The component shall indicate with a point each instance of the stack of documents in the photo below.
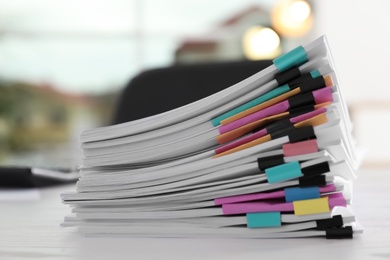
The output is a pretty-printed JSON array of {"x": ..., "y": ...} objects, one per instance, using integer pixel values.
[{"x": 269, "y": 157}]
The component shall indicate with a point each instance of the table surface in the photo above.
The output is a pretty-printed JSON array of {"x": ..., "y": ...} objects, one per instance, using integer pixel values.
[{"x": 31, "y": 230}]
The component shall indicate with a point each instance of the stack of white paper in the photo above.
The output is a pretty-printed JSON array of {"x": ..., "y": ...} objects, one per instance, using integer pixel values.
[{"x": 269, "y": 157}]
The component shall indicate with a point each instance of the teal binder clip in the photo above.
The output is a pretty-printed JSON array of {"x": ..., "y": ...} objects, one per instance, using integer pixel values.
[
  {"x": 263, "y": 219},
  {"x": 315, "y": 74},
  {"x": 283, "y": 172},
  {"x": 292, "y": 58}
]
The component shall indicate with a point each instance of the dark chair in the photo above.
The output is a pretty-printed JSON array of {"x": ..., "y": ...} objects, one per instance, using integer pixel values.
[{"x": 159, "y": 90}]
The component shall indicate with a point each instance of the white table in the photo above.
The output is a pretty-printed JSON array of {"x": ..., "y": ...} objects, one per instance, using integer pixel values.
[{"x": 31, "y": 230}]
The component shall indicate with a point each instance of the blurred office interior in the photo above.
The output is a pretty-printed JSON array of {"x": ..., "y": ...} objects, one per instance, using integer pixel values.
[{"x": 63, "y": 63}]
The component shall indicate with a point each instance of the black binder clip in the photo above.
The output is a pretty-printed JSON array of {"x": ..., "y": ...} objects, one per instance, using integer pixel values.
[
  {"x": 312, "y": 84},
  {"x": 316, "y": 169},
  {"x": 334, "y": 222},
  {"x": 302, "y": 134},
  {"x": 269, "y": 161},
  {"x": 312, "y": 181},
  {"x": 288, "y": 75},
  {"x": 339, "y": 233}
]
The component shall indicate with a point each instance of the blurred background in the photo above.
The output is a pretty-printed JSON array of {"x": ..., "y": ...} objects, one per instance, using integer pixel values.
[{"x": 64, "y": 63}]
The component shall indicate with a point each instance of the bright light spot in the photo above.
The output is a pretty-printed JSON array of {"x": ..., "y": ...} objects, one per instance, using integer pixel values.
[
  {"x": 265, "y": 41},
  {"x": 261, "y": 43},
  {"x": 299, "y": 10},
  {"x": 292, "y": 18}
]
